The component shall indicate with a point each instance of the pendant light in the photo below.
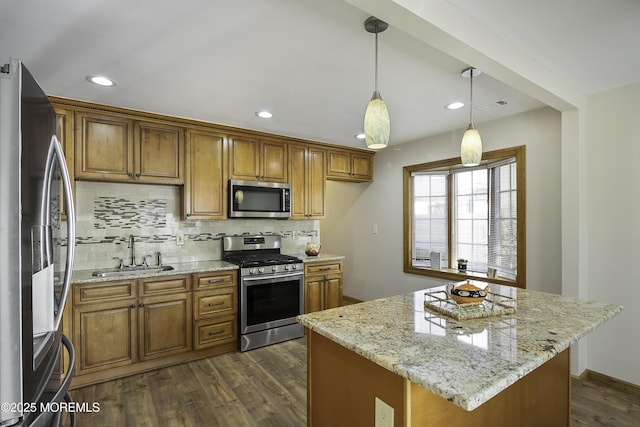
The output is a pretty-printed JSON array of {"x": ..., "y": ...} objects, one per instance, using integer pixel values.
[
  {"x": 377, "y": 126},
  {"x": 471, "y": 146}
]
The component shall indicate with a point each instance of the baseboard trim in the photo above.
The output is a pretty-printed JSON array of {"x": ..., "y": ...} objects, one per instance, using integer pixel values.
[{"x": 615, "y": 383}]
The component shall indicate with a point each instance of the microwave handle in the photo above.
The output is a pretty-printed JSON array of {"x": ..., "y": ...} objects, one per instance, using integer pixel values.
[{"x": 285, "y": 198}]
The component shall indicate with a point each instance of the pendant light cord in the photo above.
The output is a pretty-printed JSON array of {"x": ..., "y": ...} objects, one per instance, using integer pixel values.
[
  {"x": 471, "y": 97},
  {"x": 375, "y": 85}
]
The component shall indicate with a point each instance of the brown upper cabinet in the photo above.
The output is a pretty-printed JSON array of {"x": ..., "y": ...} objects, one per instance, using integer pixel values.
[
  {"x": 307, "y": 180},
  {"x": 115, "y": 148},
  {"x": 257, "y": 159},
  {"x": 343, "y": 165},
  {"x": 205, "y": 188}
]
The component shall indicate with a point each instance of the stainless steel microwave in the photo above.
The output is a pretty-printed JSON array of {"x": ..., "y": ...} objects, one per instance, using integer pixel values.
[{"x": 259, "y": 199}]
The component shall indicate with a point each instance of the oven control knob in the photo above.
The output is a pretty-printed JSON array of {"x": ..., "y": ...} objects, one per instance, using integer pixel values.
[
  {"x": 261, "y": 270},
  {"x": 253, "y": 271},
  {"x": 274, "y": 268},
  {"x": 286, "y": 267},
  {"x": 295, "y": 267}
]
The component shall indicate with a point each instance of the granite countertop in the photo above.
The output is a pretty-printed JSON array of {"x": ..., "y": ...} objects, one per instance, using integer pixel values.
[
  {"x": 321, "y": 257},
  {"x": 86, "y": 276},
  {"x": 464, "y": 361}
]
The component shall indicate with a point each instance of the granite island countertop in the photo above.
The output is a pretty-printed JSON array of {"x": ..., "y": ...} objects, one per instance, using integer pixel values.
[{"x": 463, "y": 361}]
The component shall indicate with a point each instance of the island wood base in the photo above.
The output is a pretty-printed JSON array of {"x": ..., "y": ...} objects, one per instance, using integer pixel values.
[{"x": 342, "y": 387}]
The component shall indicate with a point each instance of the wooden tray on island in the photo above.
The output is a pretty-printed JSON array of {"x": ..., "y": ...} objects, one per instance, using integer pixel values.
[{"x": 495, "y": 304}]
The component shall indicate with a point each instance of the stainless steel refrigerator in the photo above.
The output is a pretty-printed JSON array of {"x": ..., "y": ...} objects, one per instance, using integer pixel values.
[{"x": 36, "y": 254}]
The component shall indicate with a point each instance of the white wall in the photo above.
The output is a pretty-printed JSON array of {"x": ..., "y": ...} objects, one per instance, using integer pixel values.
[
  {"x": 373, "y": 268},
  {"x": 613, "y": 229}
]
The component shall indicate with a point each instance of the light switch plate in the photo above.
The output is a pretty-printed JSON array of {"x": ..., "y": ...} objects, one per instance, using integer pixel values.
[{"x": 384, "y": 414}]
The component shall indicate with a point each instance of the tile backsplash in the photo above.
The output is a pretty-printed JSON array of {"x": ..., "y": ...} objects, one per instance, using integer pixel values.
[{"x": 107, "y": 214}]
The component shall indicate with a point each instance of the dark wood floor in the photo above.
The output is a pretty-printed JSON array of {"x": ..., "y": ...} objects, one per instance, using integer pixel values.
[{"x": 267, "y": 387}]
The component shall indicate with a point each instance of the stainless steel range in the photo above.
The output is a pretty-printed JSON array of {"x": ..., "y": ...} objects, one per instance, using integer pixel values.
[{"x": 271, "y": 289}]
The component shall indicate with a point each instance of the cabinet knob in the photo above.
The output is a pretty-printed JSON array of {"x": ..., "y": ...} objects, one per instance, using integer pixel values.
[
  {"x": 130, "y": 175},
  {"x": 133, "y": 306},
  {"x": 141, "y": 305},
  {"x": 138, "y": 175}
]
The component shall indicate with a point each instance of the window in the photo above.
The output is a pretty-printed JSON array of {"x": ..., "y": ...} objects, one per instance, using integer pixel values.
[{"x": 477, "y": 214}]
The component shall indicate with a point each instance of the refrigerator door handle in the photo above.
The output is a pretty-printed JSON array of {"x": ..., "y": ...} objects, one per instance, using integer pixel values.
[
  {"x": 56, "y": 154},
  {"x": 44, "y": 419}
]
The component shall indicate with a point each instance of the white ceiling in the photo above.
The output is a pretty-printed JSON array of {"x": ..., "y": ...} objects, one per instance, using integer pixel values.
[{"x": 310, "y": 62}]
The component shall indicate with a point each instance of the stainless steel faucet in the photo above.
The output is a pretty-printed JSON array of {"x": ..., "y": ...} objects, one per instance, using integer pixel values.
[{"x": 132, "y": 246}]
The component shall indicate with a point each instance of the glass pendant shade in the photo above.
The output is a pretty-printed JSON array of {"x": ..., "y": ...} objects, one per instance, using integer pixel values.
[
  {"x": 377, "y": 126},
  {"x": 471, "y": 147}
]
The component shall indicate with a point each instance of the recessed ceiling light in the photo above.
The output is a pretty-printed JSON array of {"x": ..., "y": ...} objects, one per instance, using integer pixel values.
[
  {"x": 454, "y": 105},
  {"x": 101, "y": 81},
  {"x": 264, "y": 114},
  {"x": 361, "y": 136}
]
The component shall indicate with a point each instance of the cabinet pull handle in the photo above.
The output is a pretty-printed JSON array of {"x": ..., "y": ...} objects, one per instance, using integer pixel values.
[
  {"x": 324, "y": 268},
  {"x": 216, "y": 280},
  {"x": 216, "y": 333},
  {"x": 212, "y": 304}
]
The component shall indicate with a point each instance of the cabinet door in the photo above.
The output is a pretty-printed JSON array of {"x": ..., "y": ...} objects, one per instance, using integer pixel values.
[
  {"x": 159, "y": 153},
  {"x": 104, "y": 147},
  {"x": 307, "y": 180},
  {"x": 164, "y": 325},
  {"x": 104, "y": 335},
  {"x": 338, "y": 164},
  {"x": 273, "y": 161},
  {"x": 361, "y": 167},
  {"x": 298, "y": 180},
  {"x": 205, "y": 186},
  {"x": 316, "y": 183},
  {"x": 333, "y": 291},
  {"x": 243, "y": 158},
  {"x": 313, "y": 294}
]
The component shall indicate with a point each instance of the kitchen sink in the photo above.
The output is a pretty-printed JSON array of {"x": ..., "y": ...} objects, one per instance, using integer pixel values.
[{"x": 108, "y": 272}]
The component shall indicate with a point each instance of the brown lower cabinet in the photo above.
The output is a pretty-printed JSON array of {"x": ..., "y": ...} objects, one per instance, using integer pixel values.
[
  {"x": 322, "y": 285},
  {"x": 119, "y": 328}
]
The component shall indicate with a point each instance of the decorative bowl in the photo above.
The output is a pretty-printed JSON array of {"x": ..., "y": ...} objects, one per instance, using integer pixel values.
[
  {"x": 312, "y": 249},
  {"x": 467, "y": 293}
]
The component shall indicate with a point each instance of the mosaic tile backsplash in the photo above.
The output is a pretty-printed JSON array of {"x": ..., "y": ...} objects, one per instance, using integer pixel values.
[{"x": 107, "y": 214}]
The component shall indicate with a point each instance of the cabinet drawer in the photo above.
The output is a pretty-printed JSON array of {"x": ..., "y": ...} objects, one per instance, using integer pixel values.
[
  {"x": 221, "y": 330},
  {"x": 324, "y": 268},
  {"x": 166, "y": 285},
  {"x": 215, "y": 302},
  {"x": 104, "y": 291},
  {"x": 211, "y": 280}
]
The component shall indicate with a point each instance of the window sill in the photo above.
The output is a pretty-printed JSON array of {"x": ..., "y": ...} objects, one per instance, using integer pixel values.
[{"x": 455, "y": 275}]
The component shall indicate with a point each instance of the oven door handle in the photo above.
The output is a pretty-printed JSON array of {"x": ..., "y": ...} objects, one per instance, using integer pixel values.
[{"x": 263, "y": 279}]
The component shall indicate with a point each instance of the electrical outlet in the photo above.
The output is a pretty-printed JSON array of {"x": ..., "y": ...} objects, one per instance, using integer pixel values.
[
  {"x": 384, "y": 414},
  {"x": 374, "y": 229},
  {"x": 180, "y": 239}
]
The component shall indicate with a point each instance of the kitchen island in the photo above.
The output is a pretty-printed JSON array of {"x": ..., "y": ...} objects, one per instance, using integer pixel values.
[{"x": 431, "y": 369}]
